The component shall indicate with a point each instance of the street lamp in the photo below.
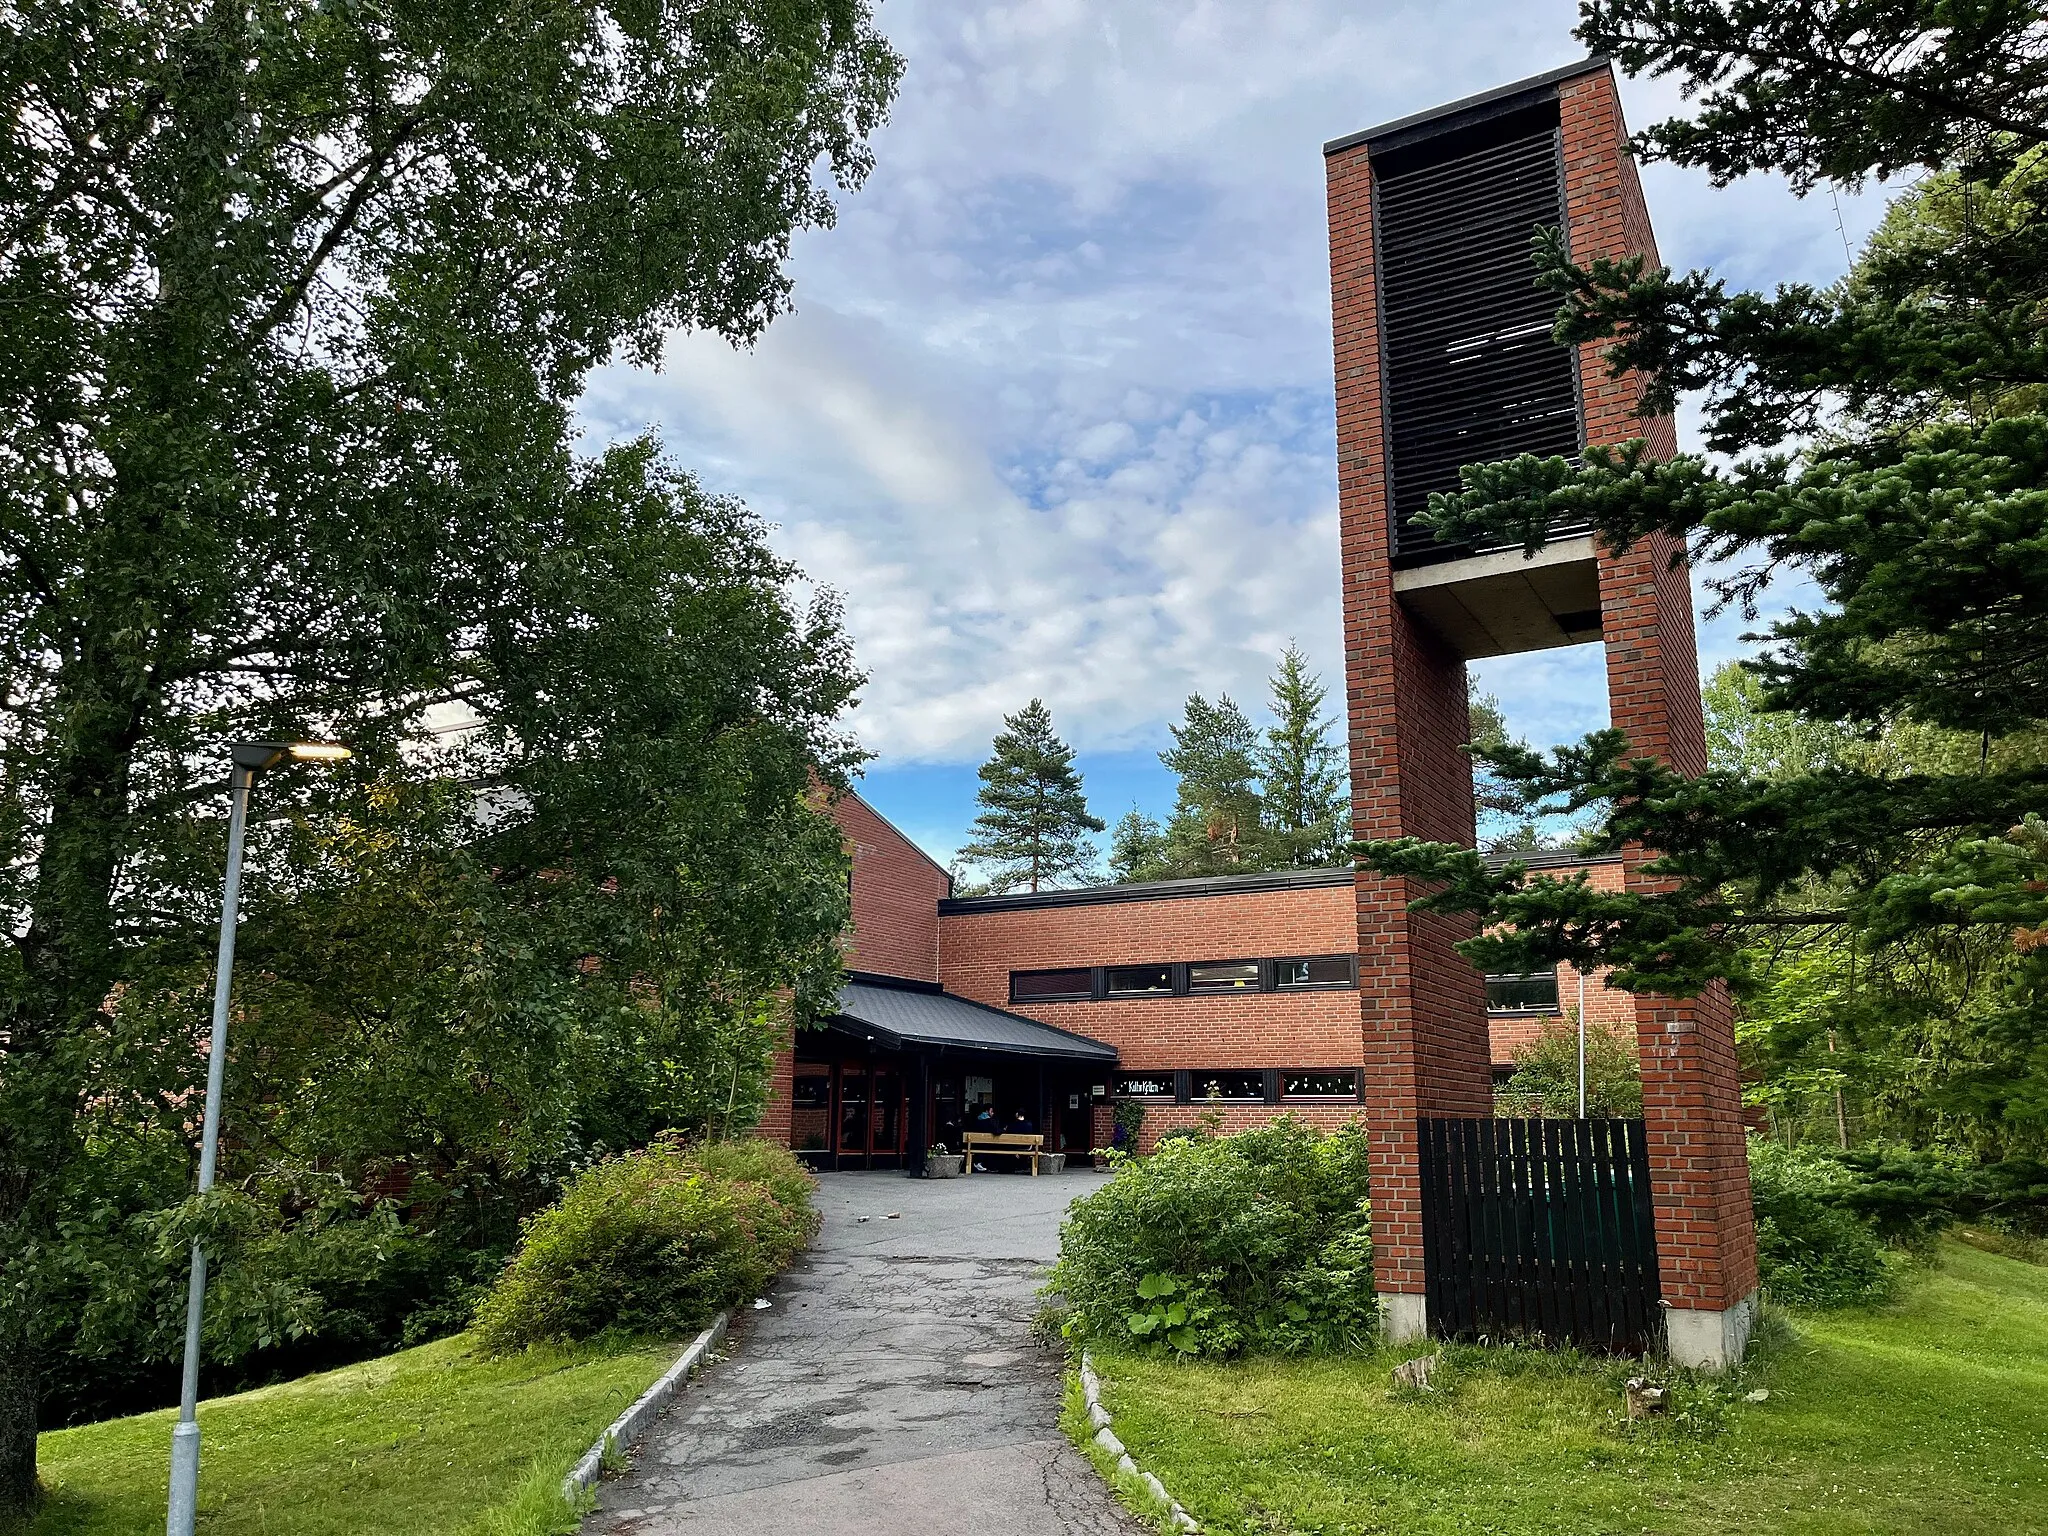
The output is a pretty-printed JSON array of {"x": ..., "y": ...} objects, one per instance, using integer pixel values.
[{"x": 250, "y": 758}]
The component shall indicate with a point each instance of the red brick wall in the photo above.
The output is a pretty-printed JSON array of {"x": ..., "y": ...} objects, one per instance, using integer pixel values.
[
  {"x": 776, "y": 1119},
  {"x": 978, "y": 950},
  {"x": 896, "y": 891},
  {"x": 1423, "y": 1007},
  {"x": 1692, "y": 1088},
  {"x": 1605, "y": 1008}
]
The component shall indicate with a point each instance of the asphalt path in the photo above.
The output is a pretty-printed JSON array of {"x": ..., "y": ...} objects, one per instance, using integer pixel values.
[{"x": 891, "y": 1388}]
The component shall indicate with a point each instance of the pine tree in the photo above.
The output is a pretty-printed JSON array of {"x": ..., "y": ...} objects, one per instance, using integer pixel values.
[
  {"x": 1918, "y": 506},
  {"x": 1137, "y": 848},
  {"x": 1034, "y": 825},
  {"x": 1218, "y": 821},
  {"x": 1307, "y": 806}
]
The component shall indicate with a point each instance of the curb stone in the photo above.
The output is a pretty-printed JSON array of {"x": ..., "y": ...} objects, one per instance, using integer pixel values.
[
  {"x": 627, "y": 1427},
  {"x": 1105, "y": 1437}
]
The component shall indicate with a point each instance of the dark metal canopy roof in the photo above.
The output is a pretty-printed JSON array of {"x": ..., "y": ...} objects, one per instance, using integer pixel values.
[{"x": 915, "y": 1014}]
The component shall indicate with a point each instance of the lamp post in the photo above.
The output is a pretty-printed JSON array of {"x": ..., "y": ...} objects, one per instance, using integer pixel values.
[{"x": 249, "y": 759}]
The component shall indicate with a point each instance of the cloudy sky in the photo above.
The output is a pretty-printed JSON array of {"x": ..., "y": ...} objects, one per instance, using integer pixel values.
[{"x": 1054, "y": 414}]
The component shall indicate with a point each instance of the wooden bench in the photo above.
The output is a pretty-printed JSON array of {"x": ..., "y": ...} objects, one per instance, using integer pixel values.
[{"x": 981, "y": 1144}]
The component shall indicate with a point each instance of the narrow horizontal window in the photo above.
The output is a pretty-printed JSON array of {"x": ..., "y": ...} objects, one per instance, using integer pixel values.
[
  {"x": 1144, "y": 1085},
  {"x": 1318, "y": 971},
  {"x": 1224, "y": 976},
  {"x": 1535, "y": 993},
  {"x": 1050, "y": 986},
  {"x": 1230, "y": 1087},
  {"x": 1324, "y": 1083},
  {"x": 1140, "y": 980}
]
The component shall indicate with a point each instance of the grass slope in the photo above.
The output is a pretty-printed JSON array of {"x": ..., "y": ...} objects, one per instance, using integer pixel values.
[
  {"x": 1928, "y": 1415},
  {"x": 430, "y": 1440}
]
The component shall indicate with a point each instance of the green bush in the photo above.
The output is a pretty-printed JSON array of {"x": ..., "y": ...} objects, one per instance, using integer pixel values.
[
  {"x": 1812, "y": 1250},
  {"x": 652, "y": 1242},
  {"x": 1210, "y": 1246}
]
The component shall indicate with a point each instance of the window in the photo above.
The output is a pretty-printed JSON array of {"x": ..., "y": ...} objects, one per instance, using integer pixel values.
[
  {"x": 1522, "y": 994},
  {"x": 811, "y": 1092},
  {"x": 1321, "y": 971},
  {"x": 1144, "y": 1085},
  {"x": 1224, "y": 976},
  {"x": 1050, "y": 986},
  {"x": 1324, "y": 1083},
  {"x": 1230, "y": 1087},
  {"x": 1141, "y": 981}
]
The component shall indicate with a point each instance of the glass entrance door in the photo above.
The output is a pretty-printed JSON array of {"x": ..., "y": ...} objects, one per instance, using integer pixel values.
[
  {"x": 854, "y": 1091},
  {"x": 888, "y": 1113}
]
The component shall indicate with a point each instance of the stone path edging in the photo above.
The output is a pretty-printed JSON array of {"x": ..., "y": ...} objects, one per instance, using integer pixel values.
[
  {"x": 1105, "y": 1437},
  {"x": 626, "y": 1428}
]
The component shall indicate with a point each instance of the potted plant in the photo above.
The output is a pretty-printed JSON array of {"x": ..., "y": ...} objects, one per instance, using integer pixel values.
[{"x": 942, "y": 1164}]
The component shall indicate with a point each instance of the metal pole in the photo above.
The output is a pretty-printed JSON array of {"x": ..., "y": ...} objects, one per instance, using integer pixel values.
[
  {"x": 1582, "y": 1045},
  {"x": 184, "y": 1504}
]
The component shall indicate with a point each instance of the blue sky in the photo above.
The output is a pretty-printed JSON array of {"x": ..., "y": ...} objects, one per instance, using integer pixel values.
[{"x": 1053, "y": 411}]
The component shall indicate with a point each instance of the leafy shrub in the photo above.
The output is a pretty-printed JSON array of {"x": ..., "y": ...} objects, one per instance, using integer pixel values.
[
  {"x": 1213, "y": 1245},
  {"x": 1546, "y": 1078},
  {"x": 652, "y": 1242},
  {"x": 1811, "y": 1250}
]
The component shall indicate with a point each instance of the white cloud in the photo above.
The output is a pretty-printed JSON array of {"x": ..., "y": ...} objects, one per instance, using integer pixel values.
[{"x": 1054, "y": 411}]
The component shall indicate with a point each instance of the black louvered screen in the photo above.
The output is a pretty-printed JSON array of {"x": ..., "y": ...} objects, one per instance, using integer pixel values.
[
  {"x": 1472, "y": 374},
  {"x": 1540, "y": 1229}
]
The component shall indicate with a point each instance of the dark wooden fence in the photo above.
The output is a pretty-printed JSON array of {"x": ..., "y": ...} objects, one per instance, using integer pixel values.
[{"x": 1540, "y": 1228}]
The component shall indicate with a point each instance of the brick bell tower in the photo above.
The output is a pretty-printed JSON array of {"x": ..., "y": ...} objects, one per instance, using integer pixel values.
[{"x": 1443, "y": 358}]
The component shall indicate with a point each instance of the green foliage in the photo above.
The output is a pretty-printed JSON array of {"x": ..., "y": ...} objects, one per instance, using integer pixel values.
[
  {"x": 1217, "y": 826},
  {"x": 1217, "y": 1244},
  {"x": 1137, "y": 848},
  {"x": 1546, "y": 1080},
  {"x": 299, "y": 303},
  {"x": 1034, "y": 826},
  {"x": 1305, "y": 790},
  {"x": 1811, "y": 1250},
  {"x": 651, "y": 1242}
]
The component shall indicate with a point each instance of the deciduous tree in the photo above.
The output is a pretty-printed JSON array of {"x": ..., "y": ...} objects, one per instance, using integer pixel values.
[{"x": 294, "y": 304}]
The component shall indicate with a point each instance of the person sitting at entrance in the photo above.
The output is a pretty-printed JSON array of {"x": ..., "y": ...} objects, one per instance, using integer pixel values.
[{"x": 1020, "y": 1125}]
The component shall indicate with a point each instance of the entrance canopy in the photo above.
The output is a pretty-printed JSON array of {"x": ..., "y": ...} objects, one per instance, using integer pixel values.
[
  {"x": 903, "y": 1065},
  {"x": 904, "y": 1015}
]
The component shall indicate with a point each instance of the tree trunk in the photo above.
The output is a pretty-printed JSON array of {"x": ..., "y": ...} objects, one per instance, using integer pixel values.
[{"x": 20, "y": 1386}]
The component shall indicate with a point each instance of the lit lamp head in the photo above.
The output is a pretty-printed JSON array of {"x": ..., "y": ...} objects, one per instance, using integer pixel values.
[{"x": 258, "y": 755}]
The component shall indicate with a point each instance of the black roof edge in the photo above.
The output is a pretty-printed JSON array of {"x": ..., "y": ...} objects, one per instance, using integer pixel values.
[
  {"x": 1457, "y": 114},
  {"x": 900, "y": 983},
  {"x": 867, "y": 978},
  {"x": 845, "y": 1024},
  {"x": 1228, "y": 885},
  {"x": 1150, "y": 890}
]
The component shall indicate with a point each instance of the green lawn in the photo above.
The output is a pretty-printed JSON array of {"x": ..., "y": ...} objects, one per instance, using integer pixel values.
[
  {"x": 1928, "y": 1415},
  {"x": 430, "y": 1440}
]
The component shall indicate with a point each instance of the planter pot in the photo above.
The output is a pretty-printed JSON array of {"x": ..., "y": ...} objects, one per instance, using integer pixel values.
[
  {"x": 1052, "y": 1162},
  {"x": 936, "y": 1167}
]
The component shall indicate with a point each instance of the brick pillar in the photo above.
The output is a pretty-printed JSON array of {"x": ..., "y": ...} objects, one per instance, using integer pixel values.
[
  {"x": 1692, "y": 1087},
  {"x": 1423, "y": 1006}
]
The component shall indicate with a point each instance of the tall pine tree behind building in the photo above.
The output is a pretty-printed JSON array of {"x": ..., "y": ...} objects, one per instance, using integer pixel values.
[
  {"x": 1218, "y": 821},
  {"x": 1034, "y": 826},
  {"x": 1307, "y": 801}
]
